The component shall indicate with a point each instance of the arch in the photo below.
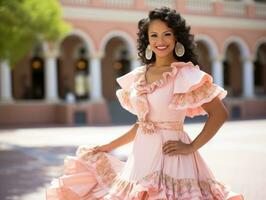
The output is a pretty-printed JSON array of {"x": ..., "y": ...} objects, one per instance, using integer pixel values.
[
  {"x": 243, "y": 70},
  {"x": 257, "y": 45},
  {"x": 110, "y": 47},
  {"x": 68, "y": 76},
  {"x": 260, "y": 67},
  {"x": 244, "y": 49},
  {"x": 213, "y": 50},
  {"x": 90, "y": 46},
  {"x": 122, "y": 35}
]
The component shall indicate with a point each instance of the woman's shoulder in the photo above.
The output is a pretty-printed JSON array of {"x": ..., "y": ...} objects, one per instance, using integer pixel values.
[
  {"x": 189, "y": 76},
  {"x": 127, "y": 79}
]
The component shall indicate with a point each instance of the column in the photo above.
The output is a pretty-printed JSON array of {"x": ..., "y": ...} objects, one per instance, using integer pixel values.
[
  {"x": 217, "y": 70},
  {"x": 5, "y": 82},
  {"x": 51, "y": 83},
  {"x": 248, "y": 77},
  {"x": 95, "y": 81}
]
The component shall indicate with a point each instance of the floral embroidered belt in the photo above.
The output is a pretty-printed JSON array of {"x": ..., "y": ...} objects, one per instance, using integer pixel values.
[{"x": 150, "y": 127}]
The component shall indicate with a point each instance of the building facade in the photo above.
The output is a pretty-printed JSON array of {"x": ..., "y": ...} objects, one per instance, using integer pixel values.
[{"x": 73, "y": 81}]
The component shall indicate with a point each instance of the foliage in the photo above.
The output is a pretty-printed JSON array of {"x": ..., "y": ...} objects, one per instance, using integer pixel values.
[{"x": 25, "y": 23}]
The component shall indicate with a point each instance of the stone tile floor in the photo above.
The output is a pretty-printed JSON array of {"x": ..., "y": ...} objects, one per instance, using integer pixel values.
[{"x": 30, "y": 158}]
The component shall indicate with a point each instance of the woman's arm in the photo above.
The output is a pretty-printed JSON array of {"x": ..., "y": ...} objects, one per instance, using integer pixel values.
[
  {"x": 217, "y": 115},
  {"x": 124, "y": 139}
]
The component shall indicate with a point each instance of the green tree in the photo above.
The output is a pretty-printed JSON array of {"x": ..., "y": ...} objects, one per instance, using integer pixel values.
[{"x": 25, "y": 23}]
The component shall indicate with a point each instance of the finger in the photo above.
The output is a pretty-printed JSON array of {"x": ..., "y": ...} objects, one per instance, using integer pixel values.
[
  {"x": 176, "y": 144},
  {"x": 167, "y": 149},
  {"x": 100, "y": 149},
  {"x": 96, "y": 149},
  {"x": 176, "y": 152},
  {"x": 173, "y": 146},
  {"x": 172, "y": 152},
  {"x": 165, "y": 145},
  {"x": 170, "y": 149},
  {"x": 171, "y": 142},
  {"x": 170, "y": 145}
]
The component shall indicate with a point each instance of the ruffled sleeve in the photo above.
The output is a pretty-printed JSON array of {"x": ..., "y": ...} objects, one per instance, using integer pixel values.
[
  {"x": 126, "y": 82},
  {"x": 192, "y": 88}
]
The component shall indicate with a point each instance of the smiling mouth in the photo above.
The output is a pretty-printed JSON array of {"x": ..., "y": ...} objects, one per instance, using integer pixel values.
[{"x": 161, "y": 48}]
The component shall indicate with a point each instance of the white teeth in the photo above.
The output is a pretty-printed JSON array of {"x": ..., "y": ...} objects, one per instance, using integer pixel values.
[{"x": 161, "y": 48}]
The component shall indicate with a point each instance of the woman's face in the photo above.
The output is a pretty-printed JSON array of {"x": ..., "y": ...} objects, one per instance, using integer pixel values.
[{"x": 161, "y": 38}]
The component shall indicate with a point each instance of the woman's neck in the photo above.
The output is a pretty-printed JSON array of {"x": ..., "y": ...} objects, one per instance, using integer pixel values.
[{"x": 164, "y": 62}]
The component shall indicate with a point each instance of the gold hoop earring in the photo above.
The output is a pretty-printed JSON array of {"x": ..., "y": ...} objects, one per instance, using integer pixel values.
[
  {"x": 179, "y": 49},
  {"x": 148, "y": 52}
]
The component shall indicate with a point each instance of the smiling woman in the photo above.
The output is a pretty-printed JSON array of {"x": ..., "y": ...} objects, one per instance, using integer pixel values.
[
  {"x": 161, "y": 39},
  {"x": 165, "y": 31},
  {"x": 164, "y": 163}
]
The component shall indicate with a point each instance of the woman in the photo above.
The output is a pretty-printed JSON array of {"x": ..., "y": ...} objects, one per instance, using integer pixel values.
[{"x": 164, "y": 163}]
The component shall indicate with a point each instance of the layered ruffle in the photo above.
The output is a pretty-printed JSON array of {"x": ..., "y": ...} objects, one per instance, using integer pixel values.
[
  {"x": 192, "y": 88},
  {"x": 144, "y": 88},
  {"x": 96, "y": 176},
  {"x": 124, "y": 99},
  {"x": 86, "y": 176},
  {"x": 164, "y": 187},
  {"x": 192, "y": 101}
]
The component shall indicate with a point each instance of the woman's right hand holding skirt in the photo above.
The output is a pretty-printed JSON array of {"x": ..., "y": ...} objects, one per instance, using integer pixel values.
[{"x": 85, "y": 151}]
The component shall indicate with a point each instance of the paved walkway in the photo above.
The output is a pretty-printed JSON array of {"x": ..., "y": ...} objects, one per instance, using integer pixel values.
[{"x": 30, "y": 158}]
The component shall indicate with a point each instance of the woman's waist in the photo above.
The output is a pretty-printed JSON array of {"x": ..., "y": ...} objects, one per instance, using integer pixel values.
[{"x": 150, "y": 126}]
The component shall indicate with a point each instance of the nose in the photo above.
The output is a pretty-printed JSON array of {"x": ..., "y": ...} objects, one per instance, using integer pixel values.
[{"x": 160, "y": 40}]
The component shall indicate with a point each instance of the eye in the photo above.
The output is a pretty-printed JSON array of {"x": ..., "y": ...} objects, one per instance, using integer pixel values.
[
  {"x": 168, "y": 34},
  {"x": 153, "y": 35}
]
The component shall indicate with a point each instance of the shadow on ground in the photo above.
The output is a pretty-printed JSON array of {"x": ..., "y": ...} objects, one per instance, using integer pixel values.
[{"x": 25, "y": 170}]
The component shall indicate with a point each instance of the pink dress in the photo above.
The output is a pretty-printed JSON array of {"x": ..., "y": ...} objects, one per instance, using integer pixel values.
[{"x": 161, "y": 108}]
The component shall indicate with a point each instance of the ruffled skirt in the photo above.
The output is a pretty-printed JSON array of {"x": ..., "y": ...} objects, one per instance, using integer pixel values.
[{"x": 147, "y": 174}]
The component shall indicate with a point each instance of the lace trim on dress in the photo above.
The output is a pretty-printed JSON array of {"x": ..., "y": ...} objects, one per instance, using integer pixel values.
[
  {"x": 162, "y": 186},
  {"x": 124, "y": 99},
  {"x": 192, "y": 101},
  {"x": 157, "y": 184},
  {"x": 103, "y": 168},
  {"x": 142, "y": 88},
  {"x": 151, "y": 127}
]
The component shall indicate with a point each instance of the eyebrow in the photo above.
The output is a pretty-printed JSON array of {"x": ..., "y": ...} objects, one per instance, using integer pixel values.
[{"x": 163, "y": 32}]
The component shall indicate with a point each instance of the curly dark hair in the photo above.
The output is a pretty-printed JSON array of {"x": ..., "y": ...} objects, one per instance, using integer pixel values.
[{"x": 180, "y": 30}]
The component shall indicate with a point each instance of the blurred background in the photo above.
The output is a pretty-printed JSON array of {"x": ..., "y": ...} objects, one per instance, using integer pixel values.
[{"x": 59, "y": 60}]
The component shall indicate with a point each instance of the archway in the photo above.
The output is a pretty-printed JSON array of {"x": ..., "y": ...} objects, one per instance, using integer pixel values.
[
  {"x": 115, "y": 63},
  {"x": 73, "y": 68},
  {"x": 260, "y": 70},
  {"x": 28, "y": 76},
  {"x": 233, "y": 70},
  {"x": 204, "y": 57}
]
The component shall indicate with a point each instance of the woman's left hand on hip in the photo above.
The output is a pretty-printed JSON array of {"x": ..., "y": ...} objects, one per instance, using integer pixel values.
[{"x": 175, "y": 147}]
